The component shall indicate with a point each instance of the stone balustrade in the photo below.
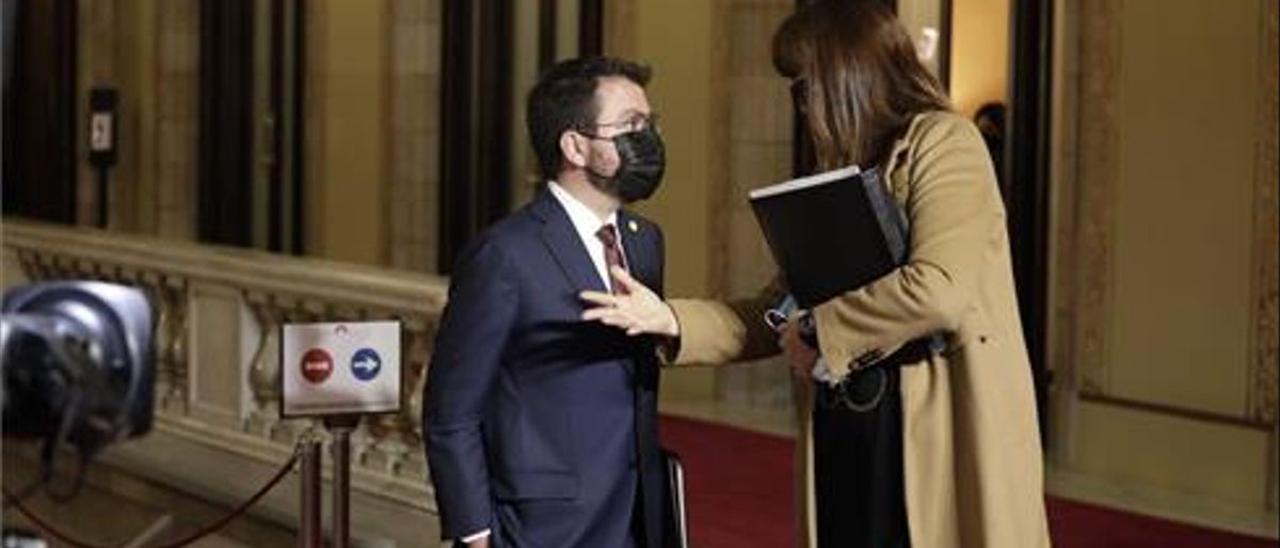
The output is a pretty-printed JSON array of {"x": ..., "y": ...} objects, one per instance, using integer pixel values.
[{"x": 219, "y": 312}]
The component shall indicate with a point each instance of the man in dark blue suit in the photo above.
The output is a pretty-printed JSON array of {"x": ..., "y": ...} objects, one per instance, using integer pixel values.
[{"x": 541, "y": 428}]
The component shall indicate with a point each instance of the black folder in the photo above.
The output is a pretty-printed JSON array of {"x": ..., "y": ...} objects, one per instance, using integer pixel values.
[{"x": 832, "y": 232}]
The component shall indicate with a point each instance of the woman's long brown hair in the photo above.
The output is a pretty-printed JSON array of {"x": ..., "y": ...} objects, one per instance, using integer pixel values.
[{"x": 857, "y": 76}]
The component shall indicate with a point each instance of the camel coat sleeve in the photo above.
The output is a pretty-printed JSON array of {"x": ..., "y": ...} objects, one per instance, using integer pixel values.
[
  {"x": 715, "y": 332},
  {"x": 957, "y": 222}
]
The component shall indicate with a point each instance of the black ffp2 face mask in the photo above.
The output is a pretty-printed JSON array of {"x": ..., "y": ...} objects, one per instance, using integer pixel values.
[{"x": 641, "y": 163}]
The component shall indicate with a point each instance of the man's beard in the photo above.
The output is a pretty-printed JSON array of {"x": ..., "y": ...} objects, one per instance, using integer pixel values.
[{"x": 604, "y": 183}]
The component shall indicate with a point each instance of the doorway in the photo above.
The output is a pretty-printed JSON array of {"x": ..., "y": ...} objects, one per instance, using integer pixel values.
[
  {"x": 251, "y": 124},
  {"x": 39, "y": 174},
  {"x": 493, "y": 53}
]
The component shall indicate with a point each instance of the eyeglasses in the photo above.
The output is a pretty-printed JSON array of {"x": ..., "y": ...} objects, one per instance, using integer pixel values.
[{"x": 633, "y": 123}]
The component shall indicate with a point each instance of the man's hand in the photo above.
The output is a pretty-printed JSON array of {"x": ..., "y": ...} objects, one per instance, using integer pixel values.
[
  {"x": 800, "y": 356},
  {"x": 482, "y": 542},
  {"x": 639, "y": 312}
]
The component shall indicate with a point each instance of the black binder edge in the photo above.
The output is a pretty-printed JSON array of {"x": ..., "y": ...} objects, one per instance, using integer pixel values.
[
  {"x": 894, "y": 225},
  {"x": 892, "y": 220}
]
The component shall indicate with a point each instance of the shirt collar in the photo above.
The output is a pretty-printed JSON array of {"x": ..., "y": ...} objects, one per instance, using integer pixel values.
[{"x": 585, "y": 221}]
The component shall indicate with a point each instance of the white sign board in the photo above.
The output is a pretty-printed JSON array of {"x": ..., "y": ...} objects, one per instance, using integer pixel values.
[
  {"x": 340, "y": 368},
  {"x": 100, "y": 132}
]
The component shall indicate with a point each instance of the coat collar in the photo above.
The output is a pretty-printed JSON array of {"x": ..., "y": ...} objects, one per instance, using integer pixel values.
[{"x": 899, "y": 159}]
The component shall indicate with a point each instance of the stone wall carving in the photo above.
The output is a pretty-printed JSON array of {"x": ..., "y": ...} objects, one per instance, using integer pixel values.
[
  {"x": 1097, "y": 175},
  {"x": 233, "y": 404},
  {"x": 1266, "y": 230}
]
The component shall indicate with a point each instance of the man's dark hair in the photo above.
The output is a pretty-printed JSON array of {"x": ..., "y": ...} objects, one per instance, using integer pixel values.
[{"x": 564, "y": 99}]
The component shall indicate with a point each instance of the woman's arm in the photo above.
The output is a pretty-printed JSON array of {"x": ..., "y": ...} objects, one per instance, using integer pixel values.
[
  {"x": 957, "y": 227},
  {"x": 716, "y": 332},
  {"x": 700, "y": 331}
]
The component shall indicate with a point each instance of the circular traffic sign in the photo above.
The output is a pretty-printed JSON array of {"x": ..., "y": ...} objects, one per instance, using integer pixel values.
[
  {"x": 316, "y": 365},
  {"x": 365, "y": 364}
]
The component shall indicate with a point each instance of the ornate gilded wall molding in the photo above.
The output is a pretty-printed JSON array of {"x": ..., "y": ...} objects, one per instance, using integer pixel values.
[
  {"x": 1066, "y": 75},
  {"x": 720, "y": 148},
  {"x": 1266, "y": 230},
  {"x": 1098, "y": 173}
]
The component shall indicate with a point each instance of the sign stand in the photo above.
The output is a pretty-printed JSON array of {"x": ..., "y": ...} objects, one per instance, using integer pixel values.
[
  {"x": 309, "y": 531},
  {"x": 336, "y": 372},
  {"x": 340, "y": 426}
]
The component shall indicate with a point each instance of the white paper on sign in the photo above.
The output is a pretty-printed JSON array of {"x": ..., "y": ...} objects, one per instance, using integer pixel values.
[
  {"x": 100, "y": 132},
  {"x": 340, "y": 368}
]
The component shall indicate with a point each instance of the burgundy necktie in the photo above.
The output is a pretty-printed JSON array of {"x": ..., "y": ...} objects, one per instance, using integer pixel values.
[{"x": 608, "y": 235}]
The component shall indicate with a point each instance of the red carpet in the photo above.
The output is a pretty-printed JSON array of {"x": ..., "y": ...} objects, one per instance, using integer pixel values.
[{"x": 740, "y": 495}]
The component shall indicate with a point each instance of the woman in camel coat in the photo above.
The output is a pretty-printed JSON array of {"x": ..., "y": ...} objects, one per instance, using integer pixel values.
[{"x": 963, "y": 419}]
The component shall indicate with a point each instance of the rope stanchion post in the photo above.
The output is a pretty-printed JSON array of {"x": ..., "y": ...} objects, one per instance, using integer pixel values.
[
  {"x": 310, "y": 533},
  {"x": 338, "y": 372},
  {"x": 340, "y": 427}
]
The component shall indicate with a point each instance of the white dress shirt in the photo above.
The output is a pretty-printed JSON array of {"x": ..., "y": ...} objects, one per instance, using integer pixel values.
[{"x": 587, "y": 223}]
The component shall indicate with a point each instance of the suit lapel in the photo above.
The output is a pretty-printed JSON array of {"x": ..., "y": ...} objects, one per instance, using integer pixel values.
[
  {"x": 564, "y": 244},
  {"x": 635, "y": 243}
]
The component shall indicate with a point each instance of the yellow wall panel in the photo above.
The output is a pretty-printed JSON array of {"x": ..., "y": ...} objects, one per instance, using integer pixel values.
[
  {"x": 348, "y": 216},
  {"x": 1187, "y": 115},
  {"x": 679, "y": 50},
  {"x": 1221, "y": 461}
]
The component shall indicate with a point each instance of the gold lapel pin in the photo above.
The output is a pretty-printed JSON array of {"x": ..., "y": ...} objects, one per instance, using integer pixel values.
[{"x": 633, "y": 226}]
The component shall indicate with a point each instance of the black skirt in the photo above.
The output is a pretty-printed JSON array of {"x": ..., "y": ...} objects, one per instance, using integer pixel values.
[{"x": 857, "y": 435}]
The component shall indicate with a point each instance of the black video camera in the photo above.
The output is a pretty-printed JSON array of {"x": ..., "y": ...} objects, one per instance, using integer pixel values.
[{"x": 77, "y": 364}]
